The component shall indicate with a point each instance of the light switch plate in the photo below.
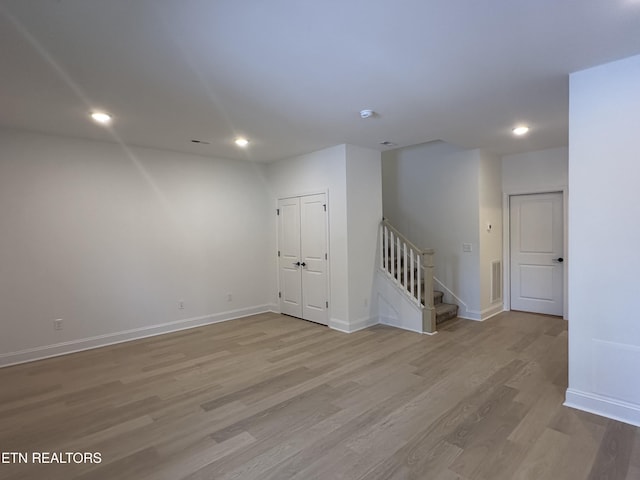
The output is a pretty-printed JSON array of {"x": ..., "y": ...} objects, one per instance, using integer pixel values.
[{"x": 467, "y": 247}]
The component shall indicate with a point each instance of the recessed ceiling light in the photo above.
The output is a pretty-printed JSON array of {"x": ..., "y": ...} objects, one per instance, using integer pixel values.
[
  {"x": 367, "y": 113},
  {"x": 241, "y": 142},
  {"x": 387, "y": 143},
  {"x": 520, "y": 130},
  {"x": 101, "y": 117},
  {"x": 203, "y": 142}
]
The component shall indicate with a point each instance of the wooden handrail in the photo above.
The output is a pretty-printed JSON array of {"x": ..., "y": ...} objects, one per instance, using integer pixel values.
[{"x": 428, "y": 251}]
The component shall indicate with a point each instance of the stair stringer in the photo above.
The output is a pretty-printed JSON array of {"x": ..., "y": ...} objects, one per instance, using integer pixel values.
[
  {"x": 450, "y": 297},
  {"x": 395, "y": 307}
]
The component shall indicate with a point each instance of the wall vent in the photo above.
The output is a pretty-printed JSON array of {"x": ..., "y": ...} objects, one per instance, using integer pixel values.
[{"x": 496, "y": 281}]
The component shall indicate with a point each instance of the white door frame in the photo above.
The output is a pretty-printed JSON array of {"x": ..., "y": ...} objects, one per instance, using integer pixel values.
[
  {"x": 327, "y": 223},
  {"x": 506, "y": 242}
]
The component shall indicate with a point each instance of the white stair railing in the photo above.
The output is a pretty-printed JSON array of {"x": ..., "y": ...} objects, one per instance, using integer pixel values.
[{"x": 411, "y": 268}]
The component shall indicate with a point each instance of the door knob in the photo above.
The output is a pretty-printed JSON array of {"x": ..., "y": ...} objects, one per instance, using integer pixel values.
[
  {"x": 297, "y": 264},
  {"x": 559, "y": 259},
  {"x": 303, "y": 264}
]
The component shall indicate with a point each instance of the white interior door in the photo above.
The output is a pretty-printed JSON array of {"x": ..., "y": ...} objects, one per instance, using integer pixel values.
[
  {"x": 303, "y": 257},
  {"x": 289, "y": 256},
  {"x": 313, "y": 233},
  {"x": 536, "y": 245}
]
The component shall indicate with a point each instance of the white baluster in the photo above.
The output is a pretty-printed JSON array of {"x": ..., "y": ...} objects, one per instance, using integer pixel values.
[
  {"x": 386, "y": 249},
  {"x": 405, "y": 265},
  {"x": 413, "y": 273},
  {"x": 381, "y": 246},
  {"x": 393, "y": 263},
  {"x": 398, "y": 254},
  {"x": 419, "y": 268}
]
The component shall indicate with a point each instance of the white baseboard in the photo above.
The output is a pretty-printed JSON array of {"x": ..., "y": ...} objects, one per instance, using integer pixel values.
[
  {"x": 492, "y": 311},
  {"x": 391, "y": 322},
  {"x": 350, "y": 327},
  {"x": 64, "y": 348},
  {"x": 481, "y": 316},
  {"x": 603, "y": 406},
  {"x": 339, "y": 325},
  {"x": 363, "y": 323}
]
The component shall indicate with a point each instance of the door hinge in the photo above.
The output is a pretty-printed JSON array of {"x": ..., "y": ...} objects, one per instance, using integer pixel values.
[
  {"x": 279, "y": 294},
  {"x": 325, "y": 256},
  {"x": 277, "y": 211},
  {"x": 327, "y": 303},
  {"x": 325, "y": 206},
  {"x": 278, "y": 252}
]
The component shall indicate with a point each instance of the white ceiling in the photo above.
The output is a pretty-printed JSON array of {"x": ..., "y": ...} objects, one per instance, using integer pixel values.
[{"x": 292, "y": 75}]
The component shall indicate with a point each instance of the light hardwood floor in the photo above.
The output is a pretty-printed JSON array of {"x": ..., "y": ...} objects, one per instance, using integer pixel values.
[{"x": 272, "y": 397}]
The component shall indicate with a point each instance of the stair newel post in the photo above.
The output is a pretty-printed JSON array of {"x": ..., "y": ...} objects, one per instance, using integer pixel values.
[{"x": 429, "y": 312}]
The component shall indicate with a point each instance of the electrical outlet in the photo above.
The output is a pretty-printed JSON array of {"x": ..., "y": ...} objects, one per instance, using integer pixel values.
[
  {"x": 467, "y": 247},
  {"x": 57, "y": 324},
  {"x": 229, "y": 297},
  {"x": 181, "y": 305}
]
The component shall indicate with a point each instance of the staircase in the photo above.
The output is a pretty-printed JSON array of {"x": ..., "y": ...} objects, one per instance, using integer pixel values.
[{"x": 410, "y": 269}]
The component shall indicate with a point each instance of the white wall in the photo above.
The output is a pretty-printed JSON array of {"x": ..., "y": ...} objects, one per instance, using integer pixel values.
[
  {"x": 351, "y": 175},
  {"x": 318, "y": 172},
  {"x": 490, "y": 205},
  {"x": 431, "y": 194},
  {"x": 537, "y": 171},
  {"x": 364, "y": 212},
  {"x": 604, "y": 234},
  {"x": 110, "y": 240}
]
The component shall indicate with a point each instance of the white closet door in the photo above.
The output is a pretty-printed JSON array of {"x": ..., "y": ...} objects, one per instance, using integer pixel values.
[
  {"x": 289, "y": 257},
  {"x": 313, "y": 228},
  {"x": 302, "y": 261}
]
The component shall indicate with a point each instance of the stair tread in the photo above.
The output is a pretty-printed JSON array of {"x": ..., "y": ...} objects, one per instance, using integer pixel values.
[
  {"x": 445, "y": 308},
  {"x": 445, "y": 311}
]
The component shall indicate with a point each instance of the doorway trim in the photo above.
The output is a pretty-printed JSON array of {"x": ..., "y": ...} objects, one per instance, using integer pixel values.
[{"x": 506, "y": 241}]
